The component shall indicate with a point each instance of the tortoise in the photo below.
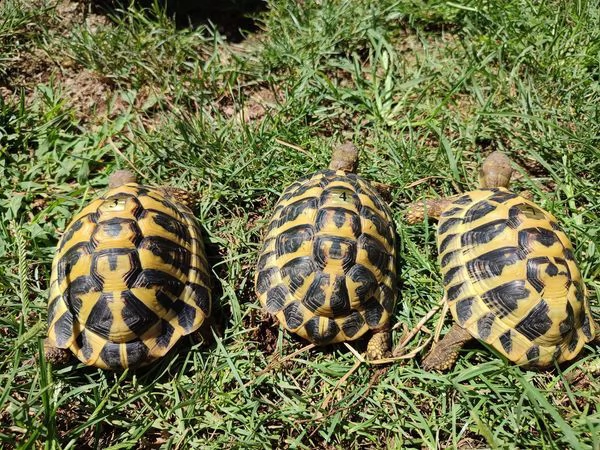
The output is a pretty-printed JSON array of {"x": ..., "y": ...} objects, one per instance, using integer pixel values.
[
  {"x": 327, "y": 269},
  {"x": 129, "y": 278},
  {"x": 509, "y": 273}
]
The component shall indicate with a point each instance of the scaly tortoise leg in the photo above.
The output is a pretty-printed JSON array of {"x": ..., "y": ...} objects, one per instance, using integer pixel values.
[
  {"x": 379, "y": 345},
  {"x": 56, "y": 356},
  {"x": 443, "y": 355},
  {"x": 415, "y": 212}
]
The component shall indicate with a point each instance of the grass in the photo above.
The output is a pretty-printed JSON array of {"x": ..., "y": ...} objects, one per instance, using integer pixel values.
[{"x": 425, "y": 89}]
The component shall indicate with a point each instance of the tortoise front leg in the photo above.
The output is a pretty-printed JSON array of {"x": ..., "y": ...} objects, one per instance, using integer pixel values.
[
  {"x": 415, "y": 212},
  {"x": 443, "y": 355}
]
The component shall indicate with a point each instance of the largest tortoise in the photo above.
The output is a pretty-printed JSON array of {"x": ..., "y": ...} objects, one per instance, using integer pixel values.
[
  {"x": 509, "y": 275},
  {"x": 129, "y": 278},
  {"x": 327, "y": 268}
]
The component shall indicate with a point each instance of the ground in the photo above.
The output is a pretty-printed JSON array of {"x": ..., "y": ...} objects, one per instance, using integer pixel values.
[{"x": 235, "y": 104}]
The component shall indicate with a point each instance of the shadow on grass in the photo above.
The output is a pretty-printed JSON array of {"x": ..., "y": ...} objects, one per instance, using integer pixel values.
[{"x": 232, "y": 18}]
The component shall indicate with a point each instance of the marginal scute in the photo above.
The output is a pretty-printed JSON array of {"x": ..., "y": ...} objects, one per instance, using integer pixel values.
[
  {"x": 449, "y": 257},
  {"x": 201, "y": 297},
  {"x": 464, "y": 309},
  {"x": 448, "y": 239},
  {"x": 352, "y": 324},
  {"x": 63, "y": 329},
  {"x": 293, "y": 315},
  {"x": 332, "y": 275},
  {"x": 573, "y": 343},
  {"x": 85, "y": 345},
  {"x": 373, "y": 312},
  {"x": 579, "y": 292},
  {"x": 450, "y": 274},
  {"x": 163, "y": 340},
  {"x": 129, "y": 279},
  {"x": 506, "y": 341},
  {"x": 484, "y": 325},
  {"x": 567, "y": 326},
  {"x": 463, "y": 200},
  {"x": 452, "y": 211},
  {"x": 388, "y": 298},
  {"x": 186, "y": 316},
  {"x": 313, "y": 329},
  {"x": 533, "y": 353},
  {"x": 111, "y": 355},
  {"x": 453, "y": 292},
  {"x": 137, "y": 352},
  {"x": 276, "y": 298},
  {"x": 449, "y": 224},
  {"x": 586, "y": 327},
  {"x": 502, "y": 196}
]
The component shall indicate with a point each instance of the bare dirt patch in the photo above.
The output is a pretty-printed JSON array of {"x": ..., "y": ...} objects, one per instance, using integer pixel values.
[
  {"x": 88, "y": 93},
  {"x": 252, "y": 106}
]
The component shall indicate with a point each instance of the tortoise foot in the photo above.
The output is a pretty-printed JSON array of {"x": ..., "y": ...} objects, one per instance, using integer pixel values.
[{"x": 379, "y": 345}]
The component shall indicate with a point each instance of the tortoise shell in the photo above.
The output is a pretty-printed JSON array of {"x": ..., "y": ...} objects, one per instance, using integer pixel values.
[
  {"x": 129, "y": 278},
  {"x": 511, "y": 278},
  {"x": 327, "y": 266}
]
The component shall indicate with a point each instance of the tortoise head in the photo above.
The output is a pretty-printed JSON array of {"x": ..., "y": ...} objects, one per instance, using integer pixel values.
[
  {"x": 495, "y": 171},
  {"x": 121, "y": 177},
  {"x": 344, "y": 157}
]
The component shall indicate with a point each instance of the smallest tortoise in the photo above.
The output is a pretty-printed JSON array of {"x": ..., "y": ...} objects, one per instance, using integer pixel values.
[
  {"x": 327, "y": 267},
  {"x": 509, "y": 274},
  {"x": 129, "y": 278}
]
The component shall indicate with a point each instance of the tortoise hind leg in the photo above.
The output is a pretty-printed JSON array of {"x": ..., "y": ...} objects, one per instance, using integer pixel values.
[
  {"x": 379, "y": 345},
  {"x": 443, "y": 355},
  {"x": 56, "y": 356}
]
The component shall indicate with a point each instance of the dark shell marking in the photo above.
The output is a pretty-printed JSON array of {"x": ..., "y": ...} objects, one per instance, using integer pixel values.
[
  {"x": 511, "y": 278},
  {"x": 129, "y": 279},
  {"x": 327, "y": 267}
]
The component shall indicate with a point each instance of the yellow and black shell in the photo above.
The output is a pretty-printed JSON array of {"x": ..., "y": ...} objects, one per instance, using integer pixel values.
[
  {"x": 511, "y": 278},
  {"x": 327, "y": 266},
  {"x": 129, "y": 278}
]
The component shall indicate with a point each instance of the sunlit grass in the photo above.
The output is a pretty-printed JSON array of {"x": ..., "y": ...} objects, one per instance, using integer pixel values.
[{"x": 425, "y": 89}]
